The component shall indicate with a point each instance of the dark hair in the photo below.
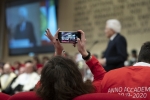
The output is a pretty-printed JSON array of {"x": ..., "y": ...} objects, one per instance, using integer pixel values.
[
  {"x": 61, "y": 80},
  {"x": 28, "y": 61},
  {"x": 144, "y": 55},
  {"x": 36, "y": 58},
  {"x": 45, "y": 57},
  {"x": 134, "y": 53}
]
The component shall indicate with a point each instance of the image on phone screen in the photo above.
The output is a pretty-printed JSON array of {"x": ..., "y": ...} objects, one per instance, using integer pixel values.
[{"x": 68, "y": 37}]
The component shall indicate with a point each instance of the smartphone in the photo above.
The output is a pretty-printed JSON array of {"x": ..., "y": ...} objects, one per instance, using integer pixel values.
[{"x": 68, "y": 37}]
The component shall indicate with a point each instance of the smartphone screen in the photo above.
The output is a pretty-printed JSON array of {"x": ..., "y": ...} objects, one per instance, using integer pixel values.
[{"x": 68, "y": 37}]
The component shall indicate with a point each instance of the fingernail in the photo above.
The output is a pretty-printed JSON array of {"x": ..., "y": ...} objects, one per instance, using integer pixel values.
[
  {"x": 47, "y": 28},
  {"x": 56, "y": 39}
]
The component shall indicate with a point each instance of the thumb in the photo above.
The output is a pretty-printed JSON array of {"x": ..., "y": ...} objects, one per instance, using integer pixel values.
[
  {"x": 58, "y": 42},
  {"x": 78, "y": 41}
]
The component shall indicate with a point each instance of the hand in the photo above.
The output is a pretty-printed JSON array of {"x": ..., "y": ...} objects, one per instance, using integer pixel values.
[
  {"x": 55, "y": 41},
  {"x": 103, "y": 61},
  {"x": 81, "y": 44}
]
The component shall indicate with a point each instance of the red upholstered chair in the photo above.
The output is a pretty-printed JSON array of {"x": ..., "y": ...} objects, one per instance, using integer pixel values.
[
  {"x": 92, "y": 96},
  {"x": 102, "y": 96},
  {"x": 4, "y": 96},
  {"x": 25, "y": 96}
]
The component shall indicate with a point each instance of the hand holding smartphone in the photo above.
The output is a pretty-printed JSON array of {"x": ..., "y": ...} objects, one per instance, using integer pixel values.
[{"x": 68, "y": 36}]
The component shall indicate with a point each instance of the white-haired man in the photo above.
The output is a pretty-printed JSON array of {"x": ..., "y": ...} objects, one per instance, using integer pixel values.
[
  {"x": 116, "y": 51},
  {"x": 24, "y": 29}
]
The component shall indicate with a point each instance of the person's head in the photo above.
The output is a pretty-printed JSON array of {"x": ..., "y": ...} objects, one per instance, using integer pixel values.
[
  {"x": 45, "y": 59},
  {"x": 61, "y": 80},
  {"x": 29, "y": 67},
  {"x": 36, "y": 60},
  {"x": 17, "y": 65},
  {"x": 144, "y": 55},
  {"x": 39, "y": 70},
  {"x": 134, "y": 53},
  {"x": 112, "y": 26},
  {"x": 23, "y": 14},
  {"x": 7, "y": 68},
  {"x": 21, "y": 70},
  {"x": 1, "y": 68}
]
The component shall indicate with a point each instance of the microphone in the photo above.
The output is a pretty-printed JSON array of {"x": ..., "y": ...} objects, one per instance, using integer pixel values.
[{"x": 94, "y": 43}]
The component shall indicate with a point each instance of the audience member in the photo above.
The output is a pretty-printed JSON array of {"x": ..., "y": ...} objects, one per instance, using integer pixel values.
[
  {"x": 16, "y": 67},
  {"x": 1, "y": 68},
  {"x": 44, "y": 60},
  {"x": 36, "y": 62},
  {"x": 7, "y": 78},
  {"x": 83, "y": 68},
  {"x": 21, "y": 70},
  {"x": 130, "y": 81},
  {"x": 134, "y": 57},
  {"x": 62, "y": 72},
  {"x": 27, "y": 80},
  {"x": 65, "y": 80},
  {"x": 116, "y": 53}
]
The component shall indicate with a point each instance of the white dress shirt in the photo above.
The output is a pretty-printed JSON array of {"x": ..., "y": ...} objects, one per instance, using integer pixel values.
[{"x": 142, "y": 64}]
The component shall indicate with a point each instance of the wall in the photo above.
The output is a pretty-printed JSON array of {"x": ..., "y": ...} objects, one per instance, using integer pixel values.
[
  {"x": 91, "y": 15},
  {"x": 1, "y": 29}
]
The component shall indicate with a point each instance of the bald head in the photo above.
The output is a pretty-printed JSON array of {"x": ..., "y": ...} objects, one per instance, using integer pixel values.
[
  {"x": 7, "y": 68},
  {"x": 29, "y": 67}
]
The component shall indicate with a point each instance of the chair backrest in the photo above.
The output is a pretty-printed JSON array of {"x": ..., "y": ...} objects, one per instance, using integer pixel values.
[
  {"x": 4, "y": 96},
  {"x": 102, "y": 96},
  {"x": 92, "y": 96},
  {"x": 25, "y": 96}
]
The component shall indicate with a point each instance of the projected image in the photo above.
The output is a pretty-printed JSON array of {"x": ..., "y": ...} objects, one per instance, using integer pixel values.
[
  {"x": 26, "y": 24},
  {"x": 68, "y": 37},
  {"x": 23, "y": 35}
]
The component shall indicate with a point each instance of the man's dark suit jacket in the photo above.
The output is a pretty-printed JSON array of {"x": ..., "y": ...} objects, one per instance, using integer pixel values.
[
  {"x": 27, "y": 33},
  {"x": 116, "y": 53}
]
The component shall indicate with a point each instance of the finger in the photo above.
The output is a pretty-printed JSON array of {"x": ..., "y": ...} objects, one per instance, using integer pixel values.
[
  {"x": 58, "y": 43},
  {"x": 49, "y": 35},
  {"x": 82, "y": 35},
  {"x": 78, "y": 41},
  {"x": 57, "y": 40},
  {"x": 56, "y": 35}
]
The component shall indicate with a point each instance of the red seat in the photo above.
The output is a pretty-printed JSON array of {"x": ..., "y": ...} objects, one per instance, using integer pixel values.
[
  {"x": 102, "y": 96},
  {"x": 25, "y": 96},
  {"x": 4, "y": 96},
  {"x": 92, "y": 96}
]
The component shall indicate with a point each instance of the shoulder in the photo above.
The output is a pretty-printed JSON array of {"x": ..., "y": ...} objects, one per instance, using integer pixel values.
[
  {"x": 22, "y": 75},
  {"x": 35, "y": 74},
  {"x": 126, "y": 71},
  {"x": 119, "y": 36},
  {"x": 13, "y": 75}
]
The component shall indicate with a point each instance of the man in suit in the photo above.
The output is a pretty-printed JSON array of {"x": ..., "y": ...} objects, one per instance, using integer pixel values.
[
  {"x": 24, "y": 29},
  {"x": 27, "y": 80},
  {"x": 116, "y": 51},
  {"x": 7, "y": 78}
]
